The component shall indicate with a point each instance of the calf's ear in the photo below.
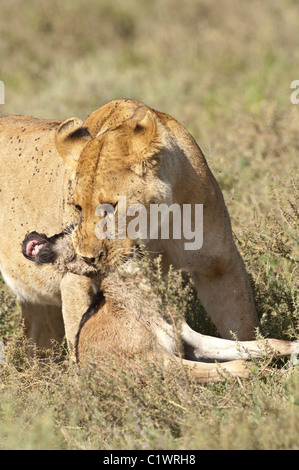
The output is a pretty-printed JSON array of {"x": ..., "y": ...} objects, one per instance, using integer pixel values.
[{"x": 70, "y": 139}]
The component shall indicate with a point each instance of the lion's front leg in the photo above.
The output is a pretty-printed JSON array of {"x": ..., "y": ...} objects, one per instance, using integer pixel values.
[
  {"x": 43, "y": 324},
  {"x": 227, "y": 298},
  {"x": 76, "y": 295}
]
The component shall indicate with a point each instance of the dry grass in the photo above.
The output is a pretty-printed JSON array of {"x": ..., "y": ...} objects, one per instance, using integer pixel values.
[{"x": 223, "y": 70}]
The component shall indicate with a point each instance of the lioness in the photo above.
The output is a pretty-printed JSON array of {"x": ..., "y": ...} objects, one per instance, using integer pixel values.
[
  {"x": 127, "y": 320},
  {"x": 55, "y": 174}
]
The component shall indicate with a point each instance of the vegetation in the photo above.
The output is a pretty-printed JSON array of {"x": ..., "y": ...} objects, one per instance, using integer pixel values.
[{"x": 224, "y": 70}]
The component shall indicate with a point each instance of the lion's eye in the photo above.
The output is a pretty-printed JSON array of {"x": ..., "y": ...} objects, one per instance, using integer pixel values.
[
  {"x": 105, "y": 209},
  {"x": 78, "y": 208}
]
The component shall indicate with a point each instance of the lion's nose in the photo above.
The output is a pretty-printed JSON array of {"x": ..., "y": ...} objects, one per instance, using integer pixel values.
[{"x": 94, "y": 260}]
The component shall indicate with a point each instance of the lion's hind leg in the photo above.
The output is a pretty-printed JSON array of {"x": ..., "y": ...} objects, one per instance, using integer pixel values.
[{"x": 43, "y": 325}]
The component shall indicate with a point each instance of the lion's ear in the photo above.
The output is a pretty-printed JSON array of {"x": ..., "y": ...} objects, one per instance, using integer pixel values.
[
  {"x": 145, "y": 145},
  {"x": 70, "y": 139}
]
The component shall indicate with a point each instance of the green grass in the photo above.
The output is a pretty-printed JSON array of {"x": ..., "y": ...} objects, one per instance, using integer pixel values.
[{"x": 224, "y": 71}]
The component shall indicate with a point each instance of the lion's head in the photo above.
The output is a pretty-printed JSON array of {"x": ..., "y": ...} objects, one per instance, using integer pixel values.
[{"x": 116, "y": 153}]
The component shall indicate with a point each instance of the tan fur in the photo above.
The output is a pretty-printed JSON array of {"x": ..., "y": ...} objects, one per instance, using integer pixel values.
[{"x": 123, "y": 148}]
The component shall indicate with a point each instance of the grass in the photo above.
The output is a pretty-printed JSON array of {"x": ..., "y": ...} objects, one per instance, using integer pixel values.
[{"x": 224, "y": 71}]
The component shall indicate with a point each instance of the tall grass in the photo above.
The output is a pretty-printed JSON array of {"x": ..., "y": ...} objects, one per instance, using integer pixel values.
[{"x": 223, "y": 70}]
